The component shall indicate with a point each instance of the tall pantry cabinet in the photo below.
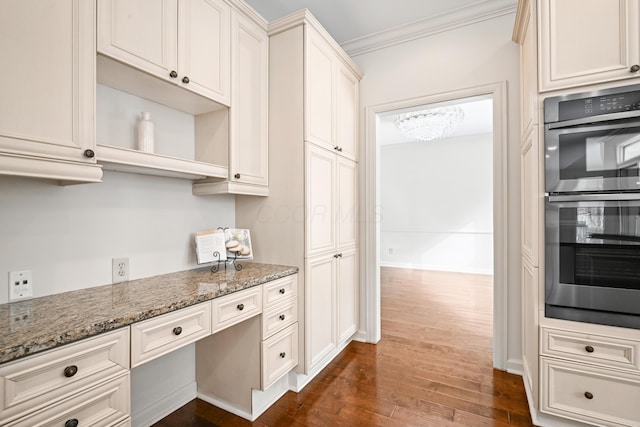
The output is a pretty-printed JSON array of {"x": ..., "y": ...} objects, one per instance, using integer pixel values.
[{"x": 310, "y": 218}]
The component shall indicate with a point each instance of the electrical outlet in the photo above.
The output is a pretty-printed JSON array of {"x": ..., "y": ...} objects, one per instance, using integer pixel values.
[
  {"x": 119, "y": 270},
  {"x": 20, "y": 285}
]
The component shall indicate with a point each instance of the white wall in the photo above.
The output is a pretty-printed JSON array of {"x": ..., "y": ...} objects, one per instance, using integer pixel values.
[
  {"x": 461, "y": 58},
  {"x": 436, "y": 204}
]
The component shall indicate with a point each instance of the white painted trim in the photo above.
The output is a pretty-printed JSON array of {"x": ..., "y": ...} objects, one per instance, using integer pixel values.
[
  {"x": 468, "y": 15},
  {"x": 300, "y": 381},
  {"x": 370, "y": 281},
  {"x": 66, "y": 172},
  {"x": 165, "y": 406},
  {"x": 515, "y": 366},
  {"x": 226, "y": 406},
  {"x": 544, "y": 420}
]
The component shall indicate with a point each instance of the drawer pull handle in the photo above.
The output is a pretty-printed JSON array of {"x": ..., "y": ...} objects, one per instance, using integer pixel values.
[
  {"x": 282, "y": 291},
  {"x": 70, "y": 371},
  {"x": 282, "y": 317},
  {"x": 283, "y": 354},
  {"x": 589, "y": 349},
  {"x": 73, "y": 422},
  {"x": 634, "y": 68},
  {"x": 588, "y": 395},
  {"x": 173, "y": 74},
  {"x": 185, "y": 80},
  {"x": 240, "y": 307},
  {"x": 177, "y": 330}
]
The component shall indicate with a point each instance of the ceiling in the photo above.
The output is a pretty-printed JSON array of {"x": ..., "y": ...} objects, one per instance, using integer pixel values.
[{"x": 347, "y": 20}]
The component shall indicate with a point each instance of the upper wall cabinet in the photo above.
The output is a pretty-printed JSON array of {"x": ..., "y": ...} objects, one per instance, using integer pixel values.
[
  {"x": 47, "y": 104},
  {"x": 332, "y": 99},
  {"x": 585, "y": 42},
  {"x": 182, "y": 41}
]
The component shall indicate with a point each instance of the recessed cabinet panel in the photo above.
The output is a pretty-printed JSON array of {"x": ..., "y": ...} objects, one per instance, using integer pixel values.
[
  {"x": 530, "y": 312},
  {"x": 320, "y": 195},
  {"x": 347, "y": 294},
  {"x": 47, "y": 101},
  {"x": 531, "y": 201},
  {"x": 204, "y": 47},
  {"x": 320, "y": 297},
  {"x": 529, "y": 73},
  {"x": 319, "y": 91},
  {"x": 346, "y": 113},
  {"x": 141, "y": 32},
  {"x": 587, "y": 41},
  {"x": 347, "y": 190}
]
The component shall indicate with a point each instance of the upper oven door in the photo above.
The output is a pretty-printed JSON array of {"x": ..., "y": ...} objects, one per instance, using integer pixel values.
[
  {"x": 592, "y": 252},
  {"x": 595, "y": 157}
]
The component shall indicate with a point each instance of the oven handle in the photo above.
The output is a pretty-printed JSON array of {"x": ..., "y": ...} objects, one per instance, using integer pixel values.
[
  {"x": 596, "y": 119},
  {"x": 593, "y": 197}
]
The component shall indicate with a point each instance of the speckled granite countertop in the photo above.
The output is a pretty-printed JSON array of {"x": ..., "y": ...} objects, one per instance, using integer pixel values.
[{"x": 43, "y": 323}]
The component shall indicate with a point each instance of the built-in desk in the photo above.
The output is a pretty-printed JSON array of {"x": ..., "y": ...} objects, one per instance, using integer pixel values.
[{"x": 66, "y": 358}]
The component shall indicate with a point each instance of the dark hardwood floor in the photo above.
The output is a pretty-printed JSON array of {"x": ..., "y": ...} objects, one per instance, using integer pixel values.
[{"x": 432, "y": 367}]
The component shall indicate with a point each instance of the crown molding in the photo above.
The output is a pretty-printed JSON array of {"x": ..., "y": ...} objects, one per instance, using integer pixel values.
[
  {"x": 246, "y": 9},
  {"x": 523, "y": 16},
  {"x": 477, "y": 12}
]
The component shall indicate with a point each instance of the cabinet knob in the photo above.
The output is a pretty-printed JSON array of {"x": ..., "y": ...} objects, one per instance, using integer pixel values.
[
  {"x": 588, "y": 395},
  {"x": 589, "y": 349},
  {"x": 185, "y": 80},
  {"x": 336, "y": 148},
  {"x": 340, "y": 149},
  {"x": 634, "y": 68},
  {"x": 282, "y": 317},
  {"x": 282, "y": 291},
  {"x": 173, "y": 74},
  {"x": 340, "y": 255},
  {"x": 73, "y": 422},
  {"x": 283, "y": 354},
  {"x": 236, "y": 176},
  {"x": 177, "y": 330},
  {"x": 240, "y": 307},
  {"x": 89, "y": 153},
  {"x": 70, "y": 371}
]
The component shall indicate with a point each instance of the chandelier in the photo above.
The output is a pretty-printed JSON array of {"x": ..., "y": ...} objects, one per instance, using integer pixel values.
[{"x": 429, "y": 125}]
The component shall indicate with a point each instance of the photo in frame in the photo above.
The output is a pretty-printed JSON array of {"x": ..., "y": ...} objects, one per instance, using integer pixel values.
[{"x": 238, "y": 243}]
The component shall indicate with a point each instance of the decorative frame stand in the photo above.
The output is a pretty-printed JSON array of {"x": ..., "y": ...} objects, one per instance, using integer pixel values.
[{"x": 216, "y": 267}]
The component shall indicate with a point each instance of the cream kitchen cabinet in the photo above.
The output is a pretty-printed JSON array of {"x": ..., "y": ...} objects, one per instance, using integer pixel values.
[
  {"x": 310, "y": 215},
  {"x": 332, "y": 99},
  {"x": 87, "y": 381},
  {"x": 247, "y": 118},
  {"x": 47, "y": 105},
  {"x": 182, "y": 41},
  {"x": 585, "y": 42}
]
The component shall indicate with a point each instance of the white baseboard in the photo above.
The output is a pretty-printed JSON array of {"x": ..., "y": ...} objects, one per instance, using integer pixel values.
[
  {"x": 164, "y": 407},
  {"x": 514, "y": 366},
  {"x": 226, "y": 406},
  {"x": 300, "y": 381}
]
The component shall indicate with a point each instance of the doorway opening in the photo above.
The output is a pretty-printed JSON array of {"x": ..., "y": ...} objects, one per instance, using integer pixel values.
[{"x": 480, "y": 242}]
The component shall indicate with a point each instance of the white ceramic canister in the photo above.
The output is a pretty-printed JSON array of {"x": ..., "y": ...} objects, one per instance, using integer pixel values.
[{"x": 145, "y": 133}]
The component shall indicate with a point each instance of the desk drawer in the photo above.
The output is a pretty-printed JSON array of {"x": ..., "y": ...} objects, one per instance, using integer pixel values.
[
  {"x": 279, "y": 355},
  {"x": 29, "y": 384},
  {"x": 102, "y": 406},
  {"x": 280, "y": 290},
  {"x": 160, "y": 335},
  {"x": 591, "y": 348},
  {"x": 234, "y": 308},
  {"x": 590, "y": 394},
  {"x": 279, "y": 317}
]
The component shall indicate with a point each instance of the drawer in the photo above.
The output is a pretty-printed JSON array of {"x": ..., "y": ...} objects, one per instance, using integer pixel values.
[
  {"x": 160, "y": 335},
  {"x": 279, "y": 317},
  {"x": 591, "y": 348},
  {"x": 29, "y": 384},
  {"x": 234, "y": 308},
  {"x": 279, "y": 355},
  {"x": 279, "y": 290},
  {"x": 590, "y": 394},
  {"x": 101, "y": 406}
]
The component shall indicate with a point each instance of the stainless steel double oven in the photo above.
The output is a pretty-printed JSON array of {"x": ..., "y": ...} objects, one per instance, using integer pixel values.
[{"x": 592, "y": 207}]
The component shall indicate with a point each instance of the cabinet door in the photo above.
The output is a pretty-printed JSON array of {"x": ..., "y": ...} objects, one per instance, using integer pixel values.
[
  {"x": 249, "y": 148},
  {"x": 141, "y": 33},
  {"x": 318, "y": 88},
  {"x": 531, "y": 201},
  {"x": 347, "y": 294},
  {"x": 587, "y": 41},
  {"x": 47, "y": 106},
  {"x": 320, "y": 309},
  {"x": 347, "y": 195},
  {"x": 347, "y": 113},
  {"x": 320, "y": 175},
  {"x": 530, "y": 310},
  {"x": 204, "y": 48}
]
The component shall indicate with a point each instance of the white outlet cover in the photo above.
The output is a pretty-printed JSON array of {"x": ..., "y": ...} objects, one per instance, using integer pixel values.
[
  {"x": 20, "y": 285},
  {"x": 119, "y": 270}
]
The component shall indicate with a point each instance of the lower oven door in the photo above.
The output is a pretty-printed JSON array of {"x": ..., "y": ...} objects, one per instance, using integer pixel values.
[{"x": 592, "y": 258}]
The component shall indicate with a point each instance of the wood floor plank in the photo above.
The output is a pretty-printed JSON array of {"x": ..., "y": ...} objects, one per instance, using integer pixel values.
[{"x": 432, "y": 367}]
